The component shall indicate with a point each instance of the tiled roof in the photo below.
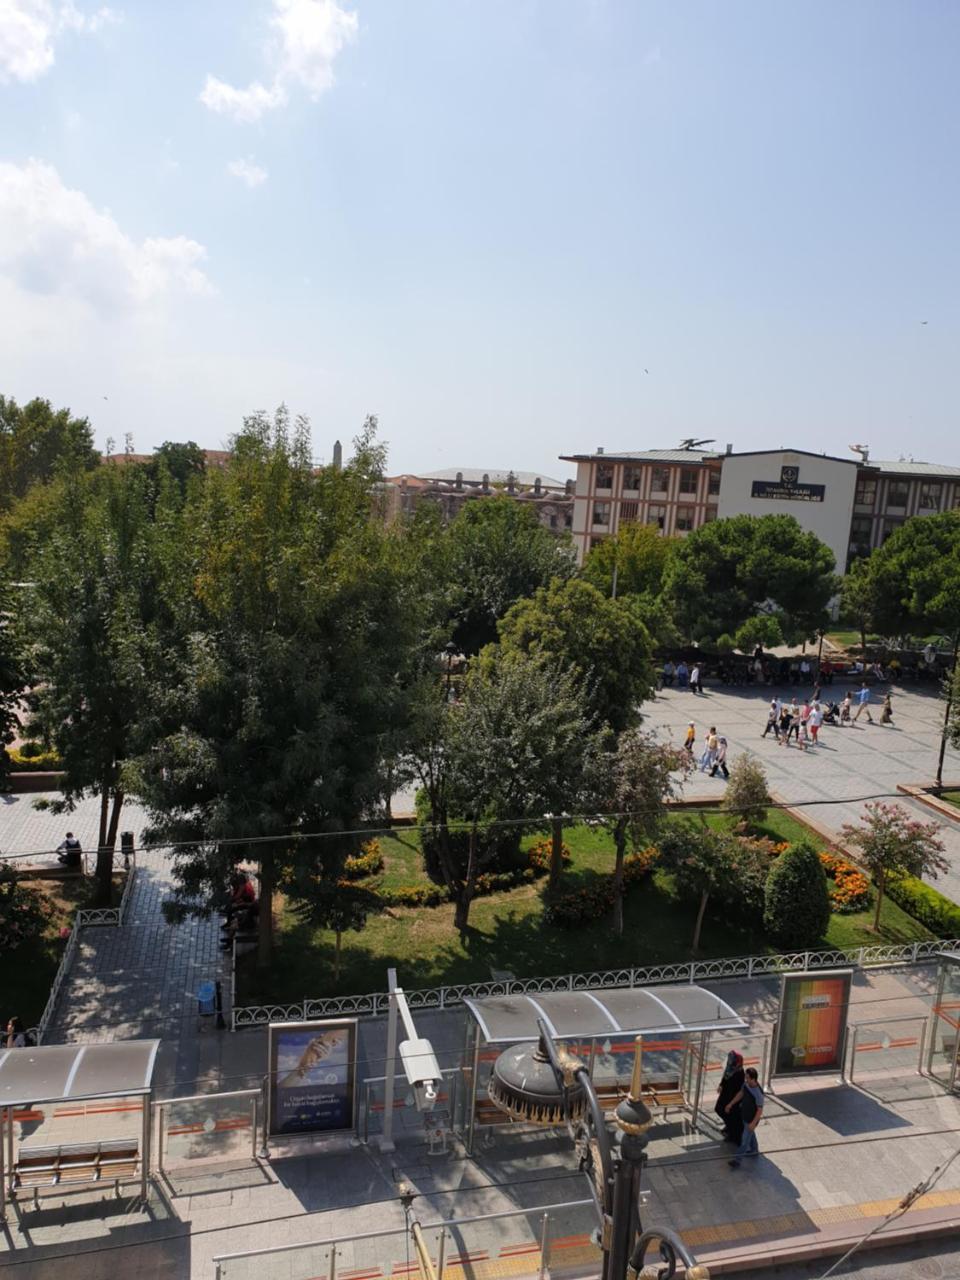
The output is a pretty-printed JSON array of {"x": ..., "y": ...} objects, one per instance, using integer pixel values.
[{"x": 907, "y": 467}]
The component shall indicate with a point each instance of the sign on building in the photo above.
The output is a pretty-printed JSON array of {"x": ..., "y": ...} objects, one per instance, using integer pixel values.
[{"x": 788, "y": 487}]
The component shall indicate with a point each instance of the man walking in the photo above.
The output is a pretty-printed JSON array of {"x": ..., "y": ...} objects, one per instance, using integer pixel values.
[
  {"x": 750, "y": 1100},
  {"x": 863, "y": 704},
  {"x": 773, "y": 719}
]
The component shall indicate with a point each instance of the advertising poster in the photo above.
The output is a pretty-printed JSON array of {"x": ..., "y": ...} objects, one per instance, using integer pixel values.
[
  {"x": 813, "y": 1018},
  {"x": 313, "y": 1069}
]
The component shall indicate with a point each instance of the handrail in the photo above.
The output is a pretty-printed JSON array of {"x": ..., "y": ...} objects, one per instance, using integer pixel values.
[{"x": 207, "y": 1097}]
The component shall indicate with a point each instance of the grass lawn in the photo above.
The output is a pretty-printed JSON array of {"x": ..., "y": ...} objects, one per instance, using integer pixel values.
[
  {"x": 951, "y": 797},
  {"x": 27, "y": 973},
  {"x": 507, "y": 930}
]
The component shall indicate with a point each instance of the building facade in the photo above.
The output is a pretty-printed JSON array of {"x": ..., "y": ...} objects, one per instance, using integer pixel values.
[
  {"x": 851, "y": 504},
  {"x": 552, "y": 500}
]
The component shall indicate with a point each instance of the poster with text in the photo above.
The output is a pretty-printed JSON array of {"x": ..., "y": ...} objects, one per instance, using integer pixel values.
[
  {"x": 313, "y": 1069},
  {"x": 813, "y": 1018}
]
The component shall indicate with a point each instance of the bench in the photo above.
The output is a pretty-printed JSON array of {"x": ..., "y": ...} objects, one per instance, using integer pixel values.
[{"x": 77, "y": 1162}]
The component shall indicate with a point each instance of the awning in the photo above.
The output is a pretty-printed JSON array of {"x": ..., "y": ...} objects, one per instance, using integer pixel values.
[
  {"x": 625, "y": 1011},
  {"x": 57, "y": 1072}
]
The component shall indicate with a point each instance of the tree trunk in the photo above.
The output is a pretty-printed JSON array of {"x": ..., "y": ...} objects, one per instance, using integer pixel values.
[
  {"x": 863, "y": 641},
  {"x": 620, "y": 843},
  {"x": 465, "y": 896},
  {"x": 336, "y": 957},
  {"x": 556, "y": 854},
  {"x": 265, "y": 916},
  {"x": 103, "y": 891},
  {"x": 880, "y": 877},
  {"x": 699, "y": 925}
]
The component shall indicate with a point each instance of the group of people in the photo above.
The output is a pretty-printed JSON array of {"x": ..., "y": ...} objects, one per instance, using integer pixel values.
[
  {"x": 740, "y": 1100},
  {"x": 802, "y": 720},
  {"x": 685, "y": 677},
  {"x": 713, "y": 757}
]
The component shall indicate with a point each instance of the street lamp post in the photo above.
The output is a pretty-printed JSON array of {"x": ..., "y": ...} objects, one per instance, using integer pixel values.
[{"x": 548, "y": 1085}]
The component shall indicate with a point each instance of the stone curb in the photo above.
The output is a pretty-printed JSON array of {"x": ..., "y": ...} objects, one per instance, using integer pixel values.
[{"x": 923, "y": 793}]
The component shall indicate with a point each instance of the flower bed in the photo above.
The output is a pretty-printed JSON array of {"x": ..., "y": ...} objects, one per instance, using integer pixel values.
[
  {"x": 432, "y": 895},
  {"x": 851, "y": 891},
  {"x": 368, "y": 862}
]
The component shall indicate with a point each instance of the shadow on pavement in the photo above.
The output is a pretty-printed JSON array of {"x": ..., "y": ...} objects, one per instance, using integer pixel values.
[{"x": 846, "y": 1110}]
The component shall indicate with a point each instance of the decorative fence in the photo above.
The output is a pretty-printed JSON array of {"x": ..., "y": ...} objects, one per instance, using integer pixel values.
[
  {"x": 693, "y": 971},
  {"x": 84, "y": 919}
]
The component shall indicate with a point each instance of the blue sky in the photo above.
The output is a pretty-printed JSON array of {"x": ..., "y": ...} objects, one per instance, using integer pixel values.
[{"x": 511, "y": 230}]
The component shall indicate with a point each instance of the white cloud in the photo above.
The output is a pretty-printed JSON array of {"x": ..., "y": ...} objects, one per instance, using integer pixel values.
[
  {"x": 53, "y": 241},
  {"x": 247, "y": 171},
  {"x": 29, "y": 30},
  {"x": 308, "y": 35}
]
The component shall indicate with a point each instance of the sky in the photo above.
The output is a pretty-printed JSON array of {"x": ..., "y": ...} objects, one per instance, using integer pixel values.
[{"x": 511, "y": 229}]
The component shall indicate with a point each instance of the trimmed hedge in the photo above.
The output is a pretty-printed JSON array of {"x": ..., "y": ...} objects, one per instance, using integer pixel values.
[
  {"x": 42, "y": 762},
  {"x": 925, "y": 904}
]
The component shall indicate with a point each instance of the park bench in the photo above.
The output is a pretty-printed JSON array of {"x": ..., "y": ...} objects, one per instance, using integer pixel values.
[{"x": 78, "y": 1163}]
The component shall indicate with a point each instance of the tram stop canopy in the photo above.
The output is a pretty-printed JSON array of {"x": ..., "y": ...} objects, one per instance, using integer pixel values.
[
  {"x": 61, "y": 1072},
  {"x": 584, "y": 1014}
]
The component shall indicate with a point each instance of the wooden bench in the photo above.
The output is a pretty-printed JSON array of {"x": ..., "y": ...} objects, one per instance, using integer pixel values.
[{"x": 77, "y": 1162}]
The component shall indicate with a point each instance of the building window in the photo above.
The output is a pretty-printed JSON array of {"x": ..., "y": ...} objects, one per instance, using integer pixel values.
[
  {"x": 861, "y": 529},
  {"x": 632, "y": 477},
  {"x": 568, "y": 520},
  {"x": 930, "y": 496},
  {"x": 601, "y": 513},
  {"x": 628, "y": 511},
  {"x": 657, "y": 515},
  {"x": 604, "y": 477},
  {"x": 553, "y": 522},
  {"x": 713, "y": 485},
  {"x": 688, "y": 480},
  {"x": 661, "y": 480},
  {"x": 710, "y": 514},
  {"x": 898, "y": 493},
  {"x": 684, "y": 519},
  {"x": 866, "y": 494}
]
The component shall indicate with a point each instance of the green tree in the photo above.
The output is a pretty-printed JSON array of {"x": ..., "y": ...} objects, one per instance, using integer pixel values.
[
  {"x": 636, "y": 555},
  {"x": 762, "y": 629},
  {"x": 516, "y": 746},
  {"x": 494, "y": 553},
  {"x": 747, "y": 795},
  {"x": 36, "y": 441},
  {"x": 604, "y": 642},
  {"x": 704, "y": 862},
  {"x": 296, "y": 630},
  {"x": 796, "y": 908},
  {"x": 630, "y": 787},
  {"x": 727, "y": 571},
  {"x": 890, "y": 842},
  {"x": 339, "y": 906},
  {"x": 857, "y": 597},
  {"x": 12, "y": 681}
]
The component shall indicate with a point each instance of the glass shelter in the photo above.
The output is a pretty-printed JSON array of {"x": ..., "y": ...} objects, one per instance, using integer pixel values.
[{"x": 75, "y": 1117}]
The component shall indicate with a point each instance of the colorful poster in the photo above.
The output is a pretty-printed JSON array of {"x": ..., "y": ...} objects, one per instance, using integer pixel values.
[
  {"x": 313, "y": 1071},
  {"x": 812, "y": 1022}
]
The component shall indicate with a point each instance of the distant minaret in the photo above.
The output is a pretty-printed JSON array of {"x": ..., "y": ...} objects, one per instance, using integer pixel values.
[{"x": 337, "y": 455}]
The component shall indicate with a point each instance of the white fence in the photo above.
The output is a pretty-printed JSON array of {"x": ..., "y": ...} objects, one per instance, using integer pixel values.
[{"x": 693, "y": 971}]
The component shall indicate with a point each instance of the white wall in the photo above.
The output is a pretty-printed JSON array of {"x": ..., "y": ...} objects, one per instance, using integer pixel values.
[{"x": 829, "y": 519}]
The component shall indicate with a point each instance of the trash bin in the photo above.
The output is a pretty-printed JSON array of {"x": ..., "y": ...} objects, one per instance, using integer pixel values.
[{"x": 206, "y": 999}]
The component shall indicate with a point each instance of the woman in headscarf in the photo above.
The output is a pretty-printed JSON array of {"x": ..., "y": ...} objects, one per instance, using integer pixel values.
[{"x": 730, "y": 1085}]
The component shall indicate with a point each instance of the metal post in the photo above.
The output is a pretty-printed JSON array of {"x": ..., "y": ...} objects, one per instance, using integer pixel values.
[
  {"x": 145, "y": 1154},
  {"x": 544, "y": 1246},
  {"x": 10, "y": 1145},
  {"x": 161, "y": 1112},
  {"x": 254, "y": 1126},
  {"x": 853, "y": 1051},
  {"x": 332, "y": 1274},
  {"x": 698, "y": 1092},
  {"x": 937, "y": 1005},
  {"x": 3, "y": 1175},
  {"x": 441, "y": 1252},
  {"x": 264, "y": 1149},
  {"x": 366, "y": 1111},
  {"x": 472, "y": 1117},
  {"x": 924, "y": 1029},
  {"x": 386, "y": 1138},
  {"x": 765, "y": 1062}
]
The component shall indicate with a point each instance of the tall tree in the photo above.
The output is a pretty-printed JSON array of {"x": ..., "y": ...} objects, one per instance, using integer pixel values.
[
  {"x": 857, "y": 597},
  {"x": 604, "y": 642},
  {"x": 890, "y": 842},
  {"x": 495, "y": 552},
  {"x": 632, "y": 562},
  {"x": 728, "y": 570},
  {"x": 36, "y": 440},
  {"x": 298, "y": 633}
]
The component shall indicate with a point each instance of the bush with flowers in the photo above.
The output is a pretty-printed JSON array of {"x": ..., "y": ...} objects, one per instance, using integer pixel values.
[
  {"x": 368, "y": 862},
  {"x": 540, "y": 854},
  {"x": 851, "y": 891}
]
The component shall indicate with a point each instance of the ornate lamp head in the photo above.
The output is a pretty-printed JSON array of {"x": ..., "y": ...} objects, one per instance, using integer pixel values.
[{"x": 524, "y": 1085}]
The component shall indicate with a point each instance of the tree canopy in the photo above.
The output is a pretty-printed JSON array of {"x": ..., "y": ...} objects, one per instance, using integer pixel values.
[
  {"x": 36, "y": 440},
  {"x": 915, "y": 577},
  {"x": 726, "y": 571}
]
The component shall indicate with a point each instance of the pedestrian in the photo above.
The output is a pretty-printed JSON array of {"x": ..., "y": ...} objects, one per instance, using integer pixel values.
[
  {"x": 695, "y": 685},
  {"x": 69, "y": 853},
  {"x": 690, "y": 739},
  {"x": 794, "y": 720},
  {"x": 750, "y": 1100},
  {"x": 863, "y": 703},
  {"x": 721, "y": 760},
  {"x": 773, "y": 718},
  {"x": 710, "y": 749},
  {"x": 886, "y": 713},
  {"x": 815, "y": 721},
  {"x": 803, "y": 737},
  {"x": 683, "y": 674},
  {"x": 16, "y": 1037},
  {"x": 669, "y": 671},
  {"x": 731, "y": 1082},
  {"x": 805, "y": 670},
  {"x": 785, "y": 720},
  {"x": 845, "y": 710}
]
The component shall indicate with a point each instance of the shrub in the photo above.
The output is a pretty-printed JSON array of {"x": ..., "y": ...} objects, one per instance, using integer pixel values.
[
  {"x": 503, "y": 854},
  {"x": 540, "y": 854},
  {"x": 570, "y": 910},
  {"x": 368, "y": 862},
  {"x": 39, "y": 760},
  {"x": 796, "y": 904},
  {"x": 23, "y": 911},
  {"x": 926, "y": 904},
  {"x": 747, "y": 793}
]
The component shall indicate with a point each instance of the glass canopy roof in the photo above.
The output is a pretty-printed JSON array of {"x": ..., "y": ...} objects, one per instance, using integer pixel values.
[
  {"x": 627, "y": 1011},
  {"x": 55, "y": 1072}
]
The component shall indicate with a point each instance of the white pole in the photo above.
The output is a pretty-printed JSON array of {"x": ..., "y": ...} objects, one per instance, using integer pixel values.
[{"x": 386, "y": 1138}]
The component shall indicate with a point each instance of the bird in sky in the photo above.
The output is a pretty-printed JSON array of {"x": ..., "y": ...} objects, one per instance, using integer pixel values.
[{"x": 923, "y": 322}]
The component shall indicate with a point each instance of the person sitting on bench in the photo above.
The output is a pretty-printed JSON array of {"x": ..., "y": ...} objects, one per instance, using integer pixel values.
[
  {"x": 241, "y": 910},
  {"x": 69, "y": 853}
]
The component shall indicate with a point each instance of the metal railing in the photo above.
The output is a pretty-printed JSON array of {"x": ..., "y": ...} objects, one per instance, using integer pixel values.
[
  {"x": 886, "y": 1042},
  {"x": 692, "y": 971},
  {"x": 209, "y": 1127},
  {"x": 540, "y": 1249}
]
